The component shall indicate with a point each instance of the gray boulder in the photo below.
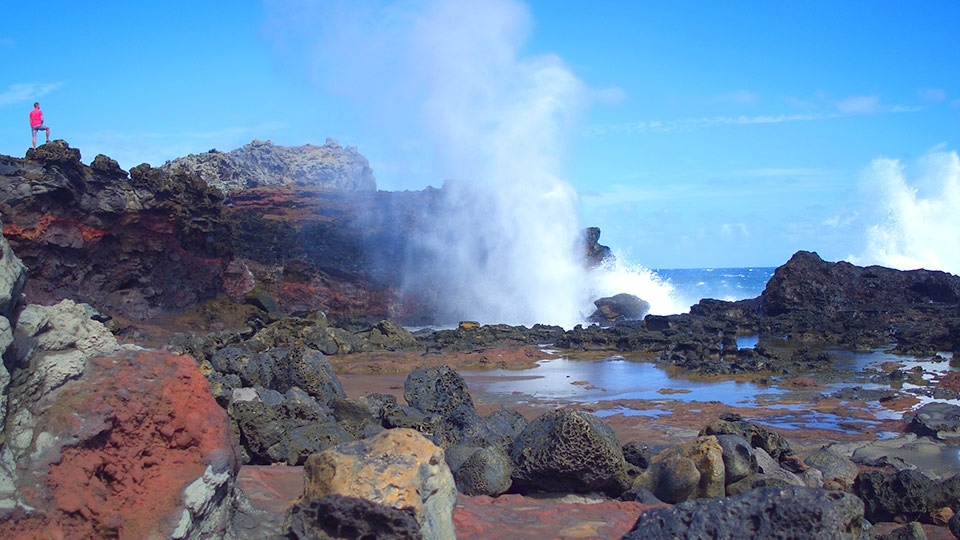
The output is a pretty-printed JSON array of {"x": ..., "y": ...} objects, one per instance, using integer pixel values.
[
  {"x": 479, "y": 471},
  {"x": 767, "y": 512},
  {"x": 283, "y": 428},
  {"x": 280, "y": 369},
  {"x": 738, "y": 459},
  {"x": 938, "y": 420},
  {"x": 839, "y": 472},
  {"x": 330, "y": 167},
  {"x": 906, "y": 495},
  {"x": 441, "y": 390},
  {"x": 569, "y": 451}
]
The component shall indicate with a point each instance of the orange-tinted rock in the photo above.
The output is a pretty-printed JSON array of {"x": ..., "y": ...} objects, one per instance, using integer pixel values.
[
  {"x": 137, "y": 437},
  {"x": 398, "y": 467}
]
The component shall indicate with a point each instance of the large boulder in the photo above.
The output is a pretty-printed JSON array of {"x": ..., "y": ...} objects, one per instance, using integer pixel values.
[
  {"x": 283, "y": 428},
  {"x": 938, "y": 420},
  {"x": 907, "y": 495},
  {"x": 767, "y": 512},
  {"x": 131, "y": 445},
  {"x": 568, "y": 451},
  {"x": 838, "y": 471},
  {"x": 808, "y": 283},
  {"x": 280, "y": 369},
  {"x": 620, "y": 307},
  {"x": 399, "y": 468},
  {"x": 442, "y": 391}
]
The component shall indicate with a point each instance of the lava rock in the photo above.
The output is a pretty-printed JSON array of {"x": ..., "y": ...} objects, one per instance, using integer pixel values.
[
  {"x": 348, "y": 518},
  {"x": 766, "y": 512},
  {"x": 569, "y": 451}
]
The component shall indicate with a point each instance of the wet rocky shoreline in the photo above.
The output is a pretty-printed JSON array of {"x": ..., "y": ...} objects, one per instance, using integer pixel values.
[{"x": 169, "y": 336}]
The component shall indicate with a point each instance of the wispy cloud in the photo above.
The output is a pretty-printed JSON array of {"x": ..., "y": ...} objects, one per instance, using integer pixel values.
[
  {"x": 781, "y": 172},
  {"x": 740, "y": 97},
  {"x": 734, "y": 230},
  {"x": 851, "y": 106},
  {"x": 20, "y": 92},
  {"x": 933, "y": 95},
  {"x": 859, "y": 105},
  {"x": 610, "y": 95},
  {"x": 687, "y": 124}
]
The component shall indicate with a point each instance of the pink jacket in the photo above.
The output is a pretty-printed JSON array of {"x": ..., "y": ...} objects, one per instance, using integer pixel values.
[{"x": 36, "y": 117}]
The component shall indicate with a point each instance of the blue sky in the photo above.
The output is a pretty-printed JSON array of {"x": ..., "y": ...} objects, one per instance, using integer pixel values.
[{"x": 702, "y": 134}]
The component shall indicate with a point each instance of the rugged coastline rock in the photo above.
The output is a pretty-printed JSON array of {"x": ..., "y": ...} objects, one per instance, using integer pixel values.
[
  {"x": 329, "y": 167},
  {"x": 161, "y": 434}
]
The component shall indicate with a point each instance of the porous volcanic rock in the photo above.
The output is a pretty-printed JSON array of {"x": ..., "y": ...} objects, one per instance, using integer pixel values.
[
  {"x": 134, "y": 447},
  {"x": 330, "y": 167},
  {"x": 568, "y": 451}
]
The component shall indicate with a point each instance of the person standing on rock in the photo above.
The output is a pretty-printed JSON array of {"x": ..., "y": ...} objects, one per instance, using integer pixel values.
[{"x": 36, "y": 123}]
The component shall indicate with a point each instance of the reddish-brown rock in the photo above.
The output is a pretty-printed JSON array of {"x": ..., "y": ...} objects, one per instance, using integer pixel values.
[{"x": 131, "y": 435}]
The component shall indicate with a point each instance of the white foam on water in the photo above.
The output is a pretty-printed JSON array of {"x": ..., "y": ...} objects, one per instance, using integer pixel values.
[{"x": 615, "y": 277}]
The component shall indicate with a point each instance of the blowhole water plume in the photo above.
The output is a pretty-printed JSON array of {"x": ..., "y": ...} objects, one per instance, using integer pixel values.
[
  {"x": 913, "y": 220},
  {"x": 502, "y": 247}
]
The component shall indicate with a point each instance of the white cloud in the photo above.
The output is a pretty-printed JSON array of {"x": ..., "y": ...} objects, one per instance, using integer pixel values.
[
  {"x": 935, "y": 95},
  {"x": 855, "y": 105},
  {"x": 859, "y": 105},
  {"x": 21, "y": 92},
  {"x": 735, "y": 230},
  {"x": 610, "y": 95},
  {"x": 740, "y": 97},
  {"x": 841, "y": 221}
]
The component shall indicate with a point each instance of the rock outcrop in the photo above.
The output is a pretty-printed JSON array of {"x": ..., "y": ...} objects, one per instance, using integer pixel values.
[
  {"x": 330, "y": 167},
  {"x": 102, "y": 439}
]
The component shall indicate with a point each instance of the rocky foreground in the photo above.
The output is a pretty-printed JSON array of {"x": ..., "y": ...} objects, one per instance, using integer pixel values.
[{"x": 256, "y": 301}]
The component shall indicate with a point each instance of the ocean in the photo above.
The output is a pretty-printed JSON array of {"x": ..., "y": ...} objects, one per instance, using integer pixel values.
[{"x": 690, "y": 285}]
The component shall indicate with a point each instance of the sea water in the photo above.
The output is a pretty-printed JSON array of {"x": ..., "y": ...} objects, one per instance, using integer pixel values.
[{"x": 690, "y": 285}]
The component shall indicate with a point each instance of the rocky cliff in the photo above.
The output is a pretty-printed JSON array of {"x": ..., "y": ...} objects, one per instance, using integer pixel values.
[
  {"x": 328, "y": 168},
  {"x": 156, "y": 242}
]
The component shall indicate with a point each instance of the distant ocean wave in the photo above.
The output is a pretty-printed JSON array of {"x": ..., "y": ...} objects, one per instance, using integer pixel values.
[{"x": 690, "y": 285}]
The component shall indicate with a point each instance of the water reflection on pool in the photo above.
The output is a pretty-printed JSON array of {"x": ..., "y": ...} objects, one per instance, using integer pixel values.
[{"x": 612, "y": 378}]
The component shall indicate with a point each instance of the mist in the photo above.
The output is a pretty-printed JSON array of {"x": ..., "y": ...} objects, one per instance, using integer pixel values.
[
  {"x": 912, "y": 220},
  {"x": 451, "y": 83}
]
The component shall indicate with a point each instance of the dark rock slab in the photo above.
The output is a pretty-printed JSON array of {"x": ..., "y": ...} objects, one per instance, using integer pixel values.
[
  {"x": 349, "y": 518},
  {"x": 766, "y": 512}
]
